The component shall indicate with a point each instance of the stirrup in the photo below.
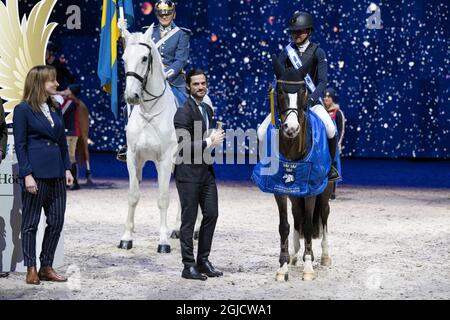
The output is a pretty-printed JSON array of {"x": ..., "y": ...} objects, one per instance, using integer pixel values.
[
  {"x": 333, "y": 175},
  {"x": 122, "y": 154}
]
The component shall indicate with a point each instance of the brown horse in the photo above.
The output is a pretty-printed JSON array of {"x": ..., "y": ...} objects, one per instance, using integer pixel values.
[{"x": 310, "y": 213}]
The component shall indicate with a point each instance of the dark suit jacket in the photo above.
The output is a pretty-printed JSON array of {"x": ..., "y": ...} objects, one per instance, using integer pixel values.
[
  {"x": 197, "y": 170},
  {"x": 3, "y": 130},
  {"x": 41, "y": 150}
]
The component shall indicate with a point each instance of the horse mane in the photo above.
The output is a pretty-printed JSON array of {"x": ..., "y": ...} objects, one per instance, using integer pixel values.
[
  {"x": 135, "y": 38},
  {"x": 139, "y": 37}
]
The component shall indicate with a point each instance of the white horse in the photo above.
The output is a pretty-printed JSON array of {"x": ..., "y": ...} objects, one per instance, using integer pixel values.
[{"x": 150, "y": 130}]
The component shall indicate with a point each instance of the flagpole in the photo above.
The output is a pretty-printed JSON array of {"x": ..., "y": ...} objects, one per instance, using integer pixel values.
[
  {"x": 122, "y": 17},
  {"x": 121, "y": 13}
]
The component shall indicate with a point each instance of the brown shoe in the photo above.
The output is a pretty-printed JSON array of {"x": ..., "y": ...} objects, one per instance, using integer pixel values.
[
  {"x": 32, "y": 276},
  {"x": 48, "y": 274}
]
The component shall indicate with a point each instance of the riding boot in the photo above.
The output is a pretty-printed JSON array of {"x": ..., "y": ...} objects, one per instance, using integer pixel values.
[
  {"x": 74, "y": 171},
  {"x": 122, "y": 154},
  {"x": 333, "y": 175}
]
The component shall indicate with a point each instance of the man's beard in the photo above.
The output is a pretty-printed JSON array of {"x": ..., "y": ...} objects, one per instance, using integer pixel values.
[{"x": 198, "y": 97}]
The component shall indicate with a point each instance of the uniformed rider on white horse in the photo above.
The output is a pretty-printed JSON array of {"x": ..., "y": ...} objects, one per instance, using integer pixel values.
[{"x": 173, "y": 45}]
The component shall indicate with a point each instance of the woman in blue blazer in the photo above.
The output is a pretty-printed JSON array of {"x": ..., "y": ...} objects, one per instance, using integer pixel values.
[{"x": 44, "y": 169}]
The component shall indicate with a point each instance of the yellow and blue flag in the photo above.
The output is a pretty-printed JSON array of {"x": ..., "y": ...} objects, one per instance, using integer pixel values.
[{"x": 107, "y": 57}]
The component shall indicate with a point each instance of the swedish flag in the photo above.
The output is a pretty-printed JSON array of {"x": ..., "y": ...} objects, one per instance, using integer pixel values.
[{"x": 107, "y": 58}]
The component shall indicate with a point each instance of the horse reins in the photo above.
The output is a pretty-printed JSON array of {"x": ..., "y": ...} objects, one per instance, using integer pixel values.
[
  {"x": 143, "y": 80},
  {"x": 290, "y": 110}
]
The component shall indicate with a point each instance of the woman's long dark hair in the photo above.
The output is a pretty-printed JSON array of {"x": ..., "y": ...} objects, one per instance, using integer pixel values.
[{"x": 34, "y": 92}]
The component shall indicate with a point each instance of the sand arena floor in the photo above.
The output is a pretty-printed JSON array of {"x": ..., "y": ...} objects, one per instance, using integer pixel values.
[{"x": 384, "y": 244}]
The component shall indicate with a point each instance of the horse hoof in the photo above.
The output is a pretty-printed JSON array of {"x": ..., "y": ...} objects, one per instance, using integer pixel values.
[
  {"x": 282, "y": 277},
  {"x": 175, "y": 235},
  {"x": 325, "y": 261},
  {"x": 163, "y": 248},
  {"x": 308, "y": 276},
  {"x": 294, "y": 261},
  {"x": 125, "y": 244},
  {"x": 196, "y": 235}
]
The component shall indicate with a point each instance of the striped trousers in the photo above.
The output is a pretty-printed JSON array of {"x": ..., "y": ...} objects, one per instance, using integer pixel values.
[{"x": 51, "y": 196}]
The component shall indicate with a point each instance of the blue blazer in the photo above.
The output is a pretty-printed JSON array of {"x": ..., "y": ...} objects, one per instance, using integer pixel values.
[
  {"x": 41, "y": 150},
  {"x": 174, "y": 53}
]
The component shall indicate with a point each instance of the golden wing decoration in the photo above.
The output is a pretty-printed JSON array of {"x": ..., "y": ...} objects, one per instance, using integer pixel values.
[{"x": 23, "y": 47}]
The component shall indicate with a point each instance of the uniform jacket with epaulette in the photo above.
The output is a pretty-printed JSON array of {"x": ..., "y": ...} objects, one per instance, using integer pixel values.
[{"x": 174, "y": 53}]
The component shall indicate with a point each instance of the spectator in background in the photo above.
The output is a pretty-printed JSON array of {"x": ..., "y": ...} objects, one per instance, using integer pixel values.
[
  {"x": 43, "y": 160},
  {"x": 63, "y": 75},
  {"x": 82, "y": 153},
  {"x": 70, "y": 108},
  {"x": 338, "y": 116}
]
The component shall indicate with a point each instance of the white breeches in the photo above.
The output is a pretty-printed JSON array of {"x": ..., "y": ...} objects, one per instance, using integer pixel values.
[
  {"x": 263, "y": 127},
  {"x": 326, "y": 119}
]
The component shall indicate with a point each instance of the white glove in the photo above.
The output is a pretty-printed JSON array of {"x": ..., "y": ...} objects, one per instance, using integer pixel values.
[
  {"x": 169, "y": 73},
  {"x": 122, "y": 24}
]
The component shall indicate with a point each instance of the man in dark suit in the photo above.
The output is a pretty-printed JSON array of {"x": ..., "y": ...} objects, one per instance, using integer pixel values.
[{"x": 195, "y": 177}]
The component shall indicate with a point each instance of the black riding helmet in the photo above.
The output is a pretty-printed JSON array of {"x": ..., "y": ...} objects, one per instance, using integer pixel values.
[{"x": 300, "y": 21}]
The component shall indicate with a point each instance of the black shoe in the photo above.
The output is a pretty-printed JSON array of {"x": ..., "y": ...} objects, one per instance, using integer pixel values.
[
  {"x": 208, "y": 269},
  {"x": 75, "y": 186},
  {"x": 333, "y": 175},
  {"x": 192, "y": 273},
  {"x": 122, "y": 154},
  {"x": 333, "y": 196},
  {"x": 4, "y": 274}
]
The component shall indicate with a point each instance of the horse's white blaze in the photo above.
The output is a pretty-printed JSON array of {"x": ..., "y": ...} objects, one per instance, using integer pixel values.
[
  {"x": 292, "y": 119},
  {"x": 150, "y": 131}
]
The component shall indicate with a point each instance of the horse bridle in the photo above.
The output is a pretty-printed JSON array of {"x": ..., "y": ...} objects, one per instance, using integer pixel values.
[
  {"x": 289, "y": 110},
  {"x": 143, "y": 80}
]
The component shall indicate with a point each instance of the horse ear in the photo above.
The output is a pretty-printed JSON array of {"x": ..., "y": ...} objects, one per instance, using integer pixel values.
[
  {"x": 278, "y": 68},
  {"x": 149, "y": 32}
]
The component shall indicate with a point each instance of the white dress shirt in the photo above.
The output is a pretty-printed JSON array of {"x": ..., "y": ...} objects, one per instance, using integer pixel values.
[
  {"x": 46, "y": 111},
  {"x": 208, "y": 140}
]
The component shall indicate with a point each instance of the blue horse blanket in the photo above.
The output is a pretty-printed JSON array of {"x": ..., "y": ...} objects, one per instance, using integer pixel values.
[{"x": 305, "y": 178}]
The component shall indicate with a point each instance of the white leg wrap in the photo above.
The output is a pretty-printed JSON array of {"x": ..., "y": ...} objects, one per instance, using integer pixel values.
[{"x": 326, "y": 119}]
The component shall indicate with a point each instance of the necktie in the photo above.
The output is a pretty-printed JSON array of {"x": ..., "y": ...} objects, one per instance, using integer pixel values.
[{"x": 204, "y": 113}]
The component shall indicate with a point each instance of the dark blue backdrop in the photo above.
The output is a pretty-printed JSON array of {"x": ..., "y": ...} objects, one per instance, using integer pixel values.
[{"x": 392, "y": 83}]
